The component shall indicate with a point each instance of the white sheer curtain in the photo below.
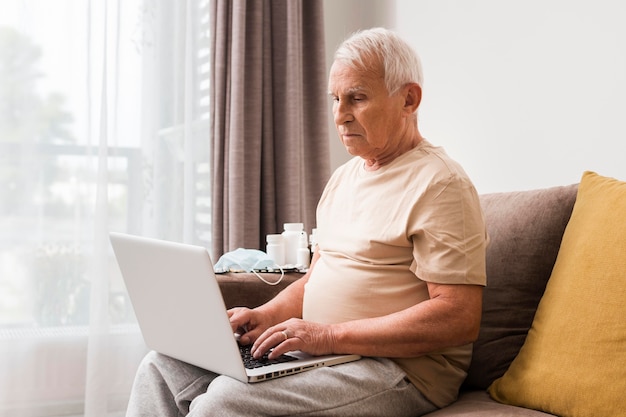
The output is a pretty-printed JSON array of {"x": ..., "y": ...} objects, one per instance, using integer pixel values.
[{"x": 103, "y": 127}]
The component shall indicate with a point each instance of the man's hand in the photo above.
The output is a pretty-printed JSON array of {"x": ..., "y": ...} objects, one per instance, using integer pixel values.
[
  {"x": 295, "y": 334},
  {"x": 249, "y": 324}
]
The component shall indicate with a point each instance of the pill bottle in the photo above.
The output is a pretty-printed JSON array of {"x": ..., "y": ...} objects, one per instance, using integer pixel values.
[
  {"x": 303, "y": 253},
  {"x": 276, "y": 249},
  {"x": 291, "y": 239}
]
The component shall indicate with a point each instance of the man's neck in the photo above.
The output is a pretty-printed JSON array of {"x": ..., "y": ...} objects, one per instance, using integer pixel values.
[{"x": 406, "y": 145}]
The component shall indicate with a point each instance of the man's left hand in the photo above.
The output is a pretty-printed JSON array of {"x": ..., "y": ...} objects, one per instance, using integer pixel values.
[{"x": 295, "y": 334}]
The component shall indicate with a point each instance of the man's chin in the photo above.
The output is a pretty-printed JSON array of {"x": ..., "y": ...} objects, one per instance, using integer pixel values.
[{"x": 350, "y": 147}]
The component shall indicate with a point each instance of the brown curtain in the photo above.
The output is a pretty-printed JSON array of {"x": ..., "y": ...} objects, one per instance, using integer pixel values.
[{"x": 269, "y": 118}]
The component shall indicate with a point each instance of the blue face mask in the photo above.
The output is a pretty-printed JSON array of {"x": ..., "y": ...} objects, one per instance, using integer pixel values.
[{"x": 248, "y": 260}]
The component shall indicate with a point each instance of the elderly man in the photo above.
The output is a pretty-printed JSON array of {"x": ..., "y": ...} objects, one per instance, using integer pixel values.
[{"x": 397, "y": 276}]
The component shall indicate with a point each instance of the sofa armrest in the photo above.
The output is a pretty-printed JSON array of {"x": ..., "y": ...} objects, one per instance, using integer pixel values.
[{"x": 247, "y": 290}]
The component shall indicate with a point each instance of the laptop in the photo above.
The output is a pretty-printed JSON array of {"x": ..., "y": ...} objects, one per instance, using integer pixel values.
[{"x": 181, "y": 312}]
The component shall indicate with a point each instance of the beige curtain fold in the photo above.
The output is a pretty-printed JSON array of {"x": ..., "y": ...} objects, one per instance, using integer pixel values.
[{"x": 269, "y": 118}]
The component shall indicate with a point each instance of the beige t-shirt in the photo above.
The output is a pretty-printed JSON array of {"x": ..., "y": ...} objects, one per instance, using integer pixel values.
[{"x": 383, "y": 234}]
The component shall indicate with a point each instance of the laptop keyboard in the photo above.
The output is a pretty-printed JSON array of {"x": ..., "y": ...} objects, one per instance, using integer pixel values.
[{"x": 252, "y": 363}]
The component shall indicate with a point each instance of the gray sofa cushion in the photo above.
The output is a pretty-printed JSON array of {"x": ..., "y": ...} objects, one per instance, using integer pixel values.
[
  {"x": 478, "y": 404},
  {"x": 525, "y": 229}
]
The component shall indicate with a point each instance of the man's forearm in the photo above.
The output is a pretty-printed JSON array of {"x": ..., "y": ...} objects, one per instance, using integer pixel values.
[
  {"x": 426, "y": 327},
  {"x": 288, "y": 303}
]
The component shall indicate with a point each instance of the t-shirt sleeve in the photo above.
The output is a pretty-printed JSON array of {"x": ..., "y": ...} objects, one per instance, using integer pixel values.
[{"x": 449, "y": 235}]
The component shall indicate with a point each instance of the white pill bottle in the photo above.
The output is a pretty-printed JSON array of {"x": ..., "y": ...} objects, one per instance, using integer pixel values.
[
  {"x": 291, "y": 239},
  {"x": 276, "y": 249}
]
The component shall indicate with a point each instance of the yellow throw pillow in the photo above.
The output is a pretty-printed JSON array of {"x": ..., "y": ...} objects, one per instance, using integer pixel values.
[{"x": 573, "y": 362}]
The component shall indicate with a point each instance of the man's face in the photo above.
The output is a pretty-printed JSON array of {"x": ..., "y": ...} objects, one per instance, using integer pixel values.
[{"x": 368, "y": 120}]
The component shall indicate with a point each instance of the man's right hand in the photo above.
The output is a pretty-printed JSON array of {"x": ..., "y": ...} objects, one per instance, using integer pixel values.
[{"x": 248, "y": 324}]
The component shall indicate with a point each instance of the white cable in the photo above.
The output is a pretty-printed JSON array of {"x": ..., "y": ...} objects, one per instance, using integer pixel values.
[{"x": 282, "y": 275}]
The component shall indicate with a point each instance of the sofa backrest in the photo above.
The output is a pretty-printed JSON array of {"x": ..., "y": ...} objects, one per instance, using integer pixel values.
[{"x": 525, "y": 230}]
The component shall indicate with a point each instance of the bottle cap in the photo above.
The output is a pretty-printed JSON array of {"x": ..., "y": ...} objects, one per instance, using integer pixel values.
[
  {"x": 294, "y": 227},
  {"x": 274, "y": 238}
]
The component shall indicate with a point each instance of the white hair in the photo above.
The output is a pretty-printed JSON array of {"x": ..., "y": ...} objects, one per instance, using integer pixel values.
[{"x": 397, "y": 59}]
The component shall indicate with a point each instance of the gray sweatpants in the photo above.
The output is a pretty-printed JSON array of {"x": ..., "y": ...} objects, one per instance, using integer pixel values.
[{"x": 368, "y": 387}]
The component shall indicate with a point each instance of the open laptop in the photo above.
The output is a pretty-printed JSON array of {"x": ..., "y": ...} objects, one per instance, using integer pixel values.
[{"x": 181, "y": 312}]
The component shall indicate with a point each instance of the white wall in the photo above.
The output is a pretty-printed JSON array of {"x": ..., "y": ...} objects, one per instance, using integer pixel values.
[{"x": 524, "y": 94}]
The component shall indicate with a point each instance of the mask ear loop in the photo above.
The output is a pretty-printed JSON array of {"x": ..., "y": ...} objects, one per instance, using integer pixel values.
[{"x": 282, "y": 275}]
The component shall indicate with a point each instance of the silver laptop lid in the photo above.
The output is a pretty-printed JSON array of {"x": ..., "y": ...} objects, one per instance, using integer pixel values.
[{"x": 178, "y": 303}]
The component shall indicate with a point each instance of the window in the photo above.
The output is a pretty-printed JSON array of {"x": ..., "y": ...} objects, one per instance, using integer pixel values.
[{"x": 104, "y": 126}]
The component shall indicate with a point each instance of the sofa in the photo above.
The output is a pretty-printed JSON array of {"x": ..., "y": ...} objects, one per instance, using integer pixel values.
[{"x": 526, "y": 229}]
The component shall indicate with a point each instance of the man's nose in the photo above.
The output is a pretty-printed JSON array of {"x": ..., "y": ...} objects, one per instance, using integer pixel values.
[{"x": 342, "y": 113}]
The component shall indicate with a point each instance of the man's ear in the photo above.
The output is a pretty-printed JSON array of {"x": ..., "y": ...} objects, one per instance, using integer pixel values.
[{"x": 412, "y": 97}]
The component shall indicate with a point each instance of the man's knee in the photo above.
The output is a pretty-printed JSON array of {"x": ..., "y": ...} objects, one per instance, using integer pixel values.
[
  {"x": 223, "y": 395},
  {"x": 152, "y": 364}
]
